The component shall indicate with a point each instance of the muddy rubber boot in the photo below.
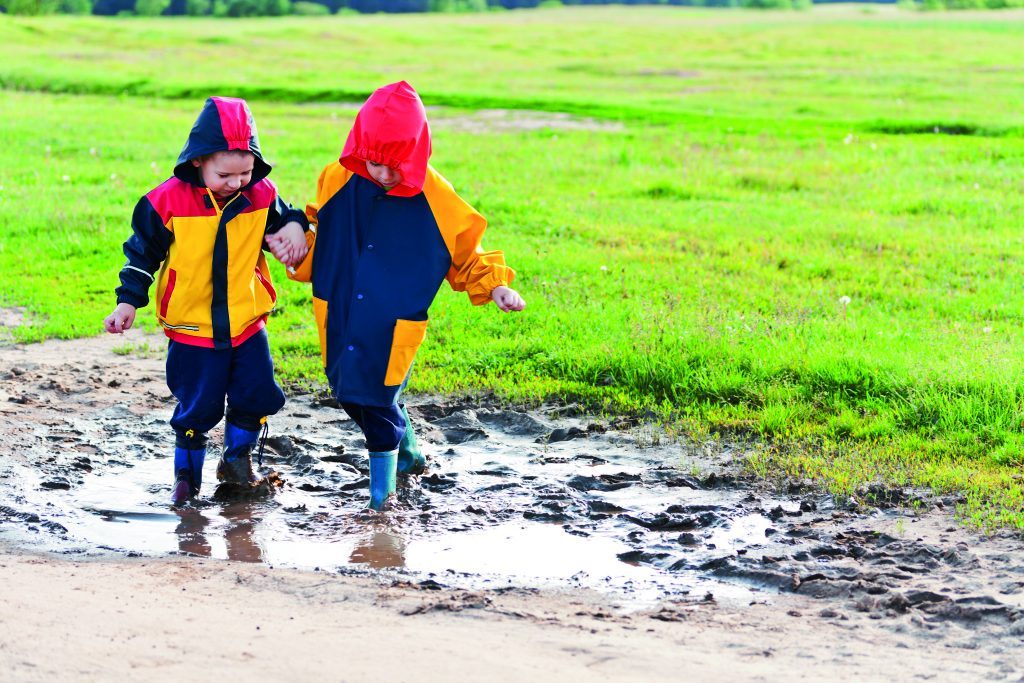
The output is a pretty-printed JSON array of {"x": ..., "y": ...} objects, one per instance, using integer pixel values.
[
  {"x": 188, "y": 467},
  {"x": 410, "y": 459},
  {"x": 235, "y": 466},
  {"x": 182, "y": 489},
  {"x": 383, "y": 469}
]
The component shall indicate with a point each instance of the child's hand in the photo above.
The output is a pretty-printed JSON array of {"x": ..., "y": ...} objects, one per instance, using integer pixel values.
[
  {"x": 288, "y": 245},
  {"x": 508, "y": 299},
  {"x": 120, "y": 320}
]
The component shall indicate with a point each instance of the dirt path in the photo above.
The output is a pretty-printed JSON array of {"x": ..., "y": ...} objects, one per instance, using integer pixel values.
[
  {"x": 202, "y": 619},
  {"x": 537, "y": 545}
]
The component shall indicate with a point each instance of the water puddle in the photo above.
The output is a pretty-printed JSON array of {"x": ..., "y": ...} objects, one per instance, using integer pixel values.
[{"x": 501, "y": 504}]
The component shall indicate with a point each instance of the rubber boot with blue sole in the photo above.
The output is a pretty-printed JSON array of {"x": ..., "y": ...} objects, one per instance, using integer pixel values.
[
  {"x": 383, "y": 473},
  {"x": 188, "y": 469},
  {"x": 235, "y": 466},
  {"x": 410, "y": 458}
]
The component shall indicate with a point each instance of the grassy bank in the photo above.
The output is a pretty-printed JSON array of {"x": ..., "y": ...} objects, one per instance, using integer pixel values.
[{"x": 772, "y": 242}]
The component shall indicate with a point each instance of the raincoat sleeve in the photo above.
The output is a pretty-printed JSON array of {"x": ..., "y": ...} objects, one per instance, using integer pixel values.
[
  {"x": 280, "y": 213},
  {"x": 304, "y": 271},
  {"x": 474, "y": 271},
  {"x": 145, "y": 250}
]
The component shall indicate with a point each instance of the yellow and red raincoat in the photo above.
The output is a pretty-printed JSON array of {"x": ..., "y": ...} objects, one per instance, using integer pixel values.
[{"x": 213, "y": 286}]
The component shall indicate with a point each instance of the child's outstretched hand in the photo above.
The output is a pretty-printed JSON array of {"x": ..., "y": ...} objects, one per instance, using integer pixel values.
[
  {"x": 288, "y": 245},
  {"x": 120, "y": 320},
  {"x": 508, "y": 299}
]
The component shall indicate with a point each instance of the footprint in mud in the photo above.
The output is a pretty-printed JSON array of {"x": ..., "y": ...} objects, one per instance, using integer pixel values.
[
  {"x": 461, "y": 427},
  {"x": 514, "y": 423}
]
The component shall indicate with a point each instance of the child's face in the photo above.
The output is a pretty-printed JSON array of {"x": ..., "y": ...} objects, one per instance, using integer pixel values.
[
  {"x": 225, "y": 174},
  {"x": 385, "y": 175}
]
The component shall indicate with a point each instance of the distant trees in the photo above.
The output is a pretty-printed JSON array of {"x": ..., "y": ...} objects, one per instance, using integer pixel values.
[
  {"x": 775, "y": 4},
  {"x": 253, "y": 8},
  {"x": 151, "y": 8},
  {"x": 309, "y": 9},
  {"x": 30, "y": 7},
  {"x": 458, "y": 5},
  {"x": 74, "y": 6},
  {"x": 933, "y": 5},
  {"x": 112, "y": 6}
]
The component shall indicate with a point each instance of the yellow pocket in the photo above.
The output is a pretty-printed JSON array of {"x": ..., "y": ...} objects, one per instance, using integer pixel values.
[
  {"x": 409, "y": 334},
  {"x": 320, "y": 313}
]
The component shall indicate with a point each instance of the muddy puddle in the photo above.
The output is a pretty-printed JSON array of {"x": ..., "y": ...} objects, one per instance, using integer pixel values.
[
  {"x": 539, "y": 499},
  {"x": 508, "y": 499}
]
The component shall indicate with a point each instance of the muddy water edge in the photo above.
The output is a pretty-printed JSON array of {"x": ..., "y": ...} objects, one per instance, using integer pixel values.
[{"x": 512, "y": 500}]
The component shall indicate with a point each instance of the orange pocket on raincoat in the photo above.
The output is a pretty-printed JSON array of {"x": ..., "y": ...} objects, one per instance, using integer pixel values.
[{"x": 409, "y": 334}]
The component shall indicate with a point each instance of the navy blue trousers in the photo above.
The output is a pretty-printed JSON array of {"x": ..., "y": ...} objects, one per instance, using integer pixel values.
[
  {"x": 383, "y": 426},
  {"x": 202, "y": 379}
]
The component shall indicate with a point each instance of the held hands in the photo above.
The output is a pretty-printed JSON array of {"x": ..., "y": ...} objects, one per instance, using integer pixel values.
[
  {"x": 288, "y": 245},
  {"x": 508, "y": 299},
  {"x": 120, "y": 320}
]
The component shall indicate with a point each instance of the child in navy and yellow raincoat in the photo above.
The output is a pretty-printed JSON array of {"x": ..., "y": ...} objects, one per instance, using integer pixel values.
[
  {"x": 389, "y": 230},
  {"x": 203, "y": 229}
]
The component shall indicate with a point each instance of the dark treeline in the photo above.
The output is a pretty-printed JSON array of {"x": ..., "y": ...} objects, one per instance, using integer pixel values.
[
  {"x": 260, "y": 7},
  {"x": 253, "y": 8},
  {"x": 247, "y": 8}
]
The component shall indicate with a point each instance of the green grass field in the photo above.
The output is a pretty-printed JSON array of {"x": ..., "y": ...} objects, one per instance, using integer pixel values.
[{"x": 686, "y": 241}]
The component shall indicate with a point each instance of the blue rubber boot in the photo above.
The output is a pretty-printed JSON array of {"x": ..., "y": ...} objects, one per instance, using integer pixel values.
[
  {"x": 235, "y": 466},
  {"x": 188, "y": 470},
  {"x": 383, "y": 469},
  {"x": 410, "y": 458}
]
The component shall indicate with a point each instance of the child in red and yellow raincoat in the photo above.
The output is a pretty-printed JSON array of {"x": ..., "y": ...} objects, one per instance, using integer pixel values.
[{"x": 199, "y": 236}]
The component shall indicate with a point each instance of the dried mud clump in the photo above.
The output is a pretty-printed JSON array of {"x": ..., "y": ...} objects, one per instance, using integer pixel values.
[{"x": 230, "y": 492}]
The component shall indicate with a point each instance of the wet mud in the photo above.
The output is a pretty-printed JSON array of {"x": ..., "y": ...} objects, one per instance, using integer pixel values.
[{"x": 510, "y": 499}]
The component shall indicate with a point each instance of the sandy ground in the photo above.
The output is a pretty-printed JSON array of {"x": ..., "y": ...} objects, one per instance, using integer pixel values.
[
  {"x": 838, "y": 594},
  {"x": 202, "y": 620}
]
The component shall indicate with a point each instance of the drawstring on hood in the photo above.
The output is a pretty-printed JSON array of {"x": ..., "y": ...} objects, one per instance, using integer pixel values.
[
  {"x": 391, "y": 128},
  {"x": 224, "y": 124}
]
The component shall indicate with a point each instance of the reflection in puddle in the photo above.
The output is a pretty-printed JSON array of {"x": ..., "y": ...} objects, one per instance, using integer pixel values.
[
  {"x": 238, "y": 536},
  {"x": 191, "y": 533},
  {"x": 380, "y": 551}
]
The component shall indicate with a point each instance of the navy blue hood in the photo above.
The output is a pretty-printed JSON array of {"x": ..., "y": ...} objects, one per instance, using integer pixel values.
[{"x": 225, "y": 123}]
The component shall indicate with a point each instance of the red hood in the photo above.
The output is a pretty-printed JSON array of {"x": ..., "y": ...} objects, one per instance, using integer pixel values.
[{"x": 391, "y": 128}]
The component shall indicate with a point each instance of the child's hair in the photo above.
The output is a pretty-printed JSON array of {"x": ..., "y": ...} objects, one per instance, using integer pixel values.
[{"x": 235, "y": 152}]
